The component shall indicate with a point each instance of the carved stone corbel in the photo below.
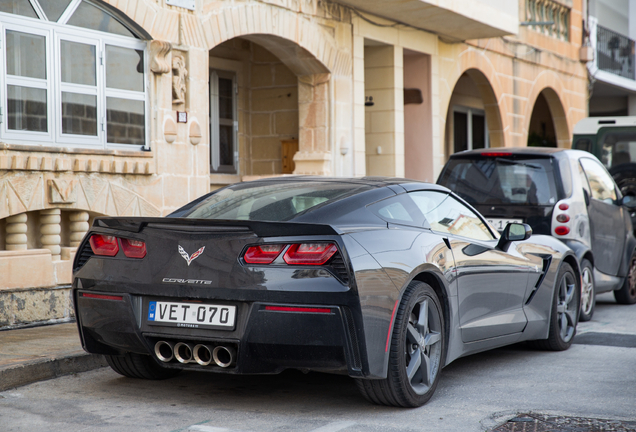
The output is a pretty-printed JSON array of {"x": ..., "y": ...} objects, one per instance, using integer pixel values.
[
  {"x": 159, "y": 63},
  {"x": 179, "y": 77}
]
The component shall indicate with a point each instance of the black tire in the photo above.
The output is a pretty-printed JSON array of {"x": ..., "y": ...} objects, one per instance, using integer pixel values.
[
  {"x": 133, "y": 365},
  {"x": 588, "y": 291},
  {"x": 418, "y": 349},
  {"x": 564, "y": 316},
  {"x": 627, "y": 293}
]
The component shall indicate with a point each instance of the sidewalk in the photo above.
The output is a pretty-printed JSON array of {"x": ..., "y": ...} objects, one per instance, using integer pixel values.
[{"x": 40, "y": 353}]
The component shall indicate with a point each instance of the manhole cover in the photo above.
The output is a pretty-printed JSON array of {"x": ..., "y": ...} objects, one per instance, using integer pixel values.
[{"x": 545, "y": 423}]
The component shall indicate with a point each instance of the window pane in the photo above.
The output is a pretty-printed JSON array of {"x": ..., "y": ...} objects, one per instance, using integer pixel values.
[
  {"x": 445, "y": 214},
  {"x": 54, "y": 8},
  {"x": 91, "y": 17},
  {"x": 78, "y": 63},
  {"x": 460, "y": 130},
  {"x": 125, "y": 121},
  {"x": 226, "y": 109},
  {"x": 124, "y": 68},
  {"x": 18, "y": 7},
  {"x": 26, "y": 109},
  {"x": 479, "y": 131},
  {"x": 226, "y": 145},
  {"x": 26, "y": 55},
  {"x": 79, "y": 114},
  {"x": 601, "y": 184}
]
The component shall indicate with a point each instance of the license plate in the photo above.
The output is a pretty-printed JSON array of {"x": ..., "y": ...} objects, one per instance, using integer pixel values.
[
  {"x": 500, "y": 224},
  {"x": 191, "y": 315}
]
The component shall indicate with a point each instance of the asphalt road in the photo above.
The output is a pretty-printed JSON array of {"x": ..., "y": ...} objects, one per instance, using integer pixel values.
[{"x": 594, "y": 378}]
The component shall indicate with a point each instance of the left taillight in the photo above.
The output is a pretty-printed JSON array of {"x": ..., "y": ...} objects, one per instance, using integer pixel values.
[
  {"x": 107, "y": 245},
  {"x": 133, "y": 248},
  {"x": 104, "y": 245}
]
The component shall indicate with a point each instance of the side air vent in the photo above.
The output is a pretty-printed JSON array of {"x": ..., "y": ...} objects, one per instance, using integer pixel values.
[
  {"x": 547, "y": 259},
  {"x": 351, "y": 329},
  {"x": 83, "y": 256},
  {"x": 338, "y": 266}
]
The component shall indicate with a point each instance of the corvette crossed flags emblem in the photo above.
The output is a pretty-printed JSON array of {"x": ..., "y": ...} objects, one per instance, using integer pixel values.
[{"x": 190, "y": 258}]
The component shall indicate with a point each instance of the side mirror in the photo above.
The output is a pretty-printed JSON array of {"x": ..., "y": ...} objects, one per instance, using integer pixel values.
[
  {"x": 513, "y": 232},
  {"x": 629, "y": 201}
]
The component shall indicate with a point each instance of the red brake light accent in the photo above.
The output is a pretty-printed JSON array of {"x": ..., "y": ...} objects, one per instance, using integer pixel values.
[
  {"x": 297, "y": 309},
  {"x": 496, "y": 154},
  {"x": 563, "y": 218},
  {"x": 263, "y": 254},
  {"x": 561, "y": 230},
  {"x": 563, "y": 206},
  {"x": 104, "y": 245},
  {"x": 309, "y": 253},
  {"x": 133, "y": 248},
  {"x": 102, "y": 296}
]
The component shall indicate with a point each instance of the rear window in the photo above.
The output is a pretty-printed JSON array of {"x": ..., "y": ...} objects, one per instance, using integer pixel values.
[
  {"x": 270, "y": 201},
  {"x": 502, "y": 180}
]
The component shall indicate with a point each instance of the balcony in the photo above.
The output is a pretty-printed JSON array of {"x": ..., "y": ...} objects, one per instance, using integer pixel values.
[
  {"x": 614, "y": 53},
  {"x": 455, "y": 20}
]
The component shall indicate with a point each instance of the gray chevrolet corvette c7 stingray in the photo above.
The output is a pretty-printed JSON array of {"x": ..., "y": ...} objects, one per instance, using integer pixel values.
[{"x": 385, "y": 280}]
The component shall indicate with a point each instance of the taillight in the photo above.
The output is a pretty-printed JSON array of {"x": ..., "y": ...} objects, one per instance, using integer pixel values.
[
  {"x": 104, "y": 245},
  {"x": 309, "y": 253},
  {"x": 263, "y": 254},
  {"x": 563, "y": 218},
  {"x": 562, "y": 230},
  {"x": 102, "y": 296},
  {"x": 133, "y": 248},
  {"x": 563, "y": 206},
  {"x": 496, "y": 154}
]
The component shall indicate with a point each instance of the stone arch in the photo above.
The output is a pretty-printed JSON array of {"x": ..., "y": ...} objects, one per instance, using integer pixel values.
[
  {"x": 550, "y": 86},
  {"x": 479, "y": 68}
]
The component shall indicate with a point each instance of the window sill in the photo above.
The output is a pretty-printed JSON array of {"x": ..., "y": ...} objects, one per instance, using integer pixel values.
[
  {"x": 224, "y": 179},
  {"x": 76, "y": 150}
]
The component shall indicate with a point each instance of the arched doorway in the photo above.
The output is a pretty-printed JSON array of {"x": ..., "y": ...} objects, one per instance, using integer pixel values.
[
  {"x": 268, "y": 98},
  {"x": 473, "y": 120},
  {"x": 548, "y": 125}
]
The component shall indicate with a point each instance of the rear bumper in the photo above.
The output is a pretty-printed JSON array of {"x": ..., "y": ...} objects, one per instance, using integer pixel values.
[{"x": 265, "y": 341}]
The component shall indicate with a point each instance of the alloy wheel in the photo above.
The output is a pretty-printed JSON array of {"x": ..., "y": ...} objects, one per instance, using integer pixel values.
[
  {"x": 567, "y": 307},
  {"x": 587, "y": 291},
  {"x": 423, "y": 348}
]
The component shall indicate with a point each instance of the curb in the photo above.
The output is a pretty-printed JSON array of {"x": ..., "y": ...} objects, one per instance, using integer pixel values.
[{"x": 40, "y": 370}]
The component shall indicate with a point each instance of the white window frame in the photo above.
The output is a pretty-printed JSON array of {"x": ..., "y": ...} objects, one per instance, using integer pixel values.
[
  {"x": 215, "y": 166},
  {"x": 55, "y": 32},
  {"x": 469, "y": 125}
]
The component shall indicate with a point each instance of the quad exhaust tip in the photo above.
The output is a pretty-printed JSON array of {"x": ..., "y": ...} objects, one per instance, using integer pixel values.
[{"x": 222, "y": 356}]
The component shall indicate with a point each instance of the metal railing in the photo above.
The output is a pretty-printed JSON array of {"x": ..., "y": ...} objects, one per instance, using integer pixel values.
[{"x": 614, "y": 53}]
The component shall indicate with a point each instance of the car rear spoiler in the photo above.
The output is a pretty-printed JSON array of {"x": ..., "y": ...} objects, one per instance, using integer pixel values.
[{"x": 260, "y": 228}]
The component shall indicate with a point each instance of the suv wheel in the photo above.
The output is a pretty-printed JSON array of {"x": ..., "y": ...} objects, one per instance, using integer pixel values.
[{"x": 627, "y": 293}]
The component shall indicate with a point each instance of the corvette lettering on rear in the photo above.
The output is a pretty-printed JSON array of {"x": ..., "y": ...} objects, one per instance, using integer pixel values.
[{"x": 186, "y": 281}]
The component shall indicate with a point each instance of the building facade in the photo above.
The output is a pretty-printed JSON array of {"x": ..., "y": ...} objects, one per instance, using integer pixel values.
[{"x": 135, "y": 107}]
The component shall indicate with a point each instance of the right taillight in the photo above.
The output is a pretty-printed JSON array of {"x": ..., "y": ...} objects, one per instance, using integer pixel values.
[
  {"x": 263, "y": 254},
  {"x": 563, "y": 218},
  {"x": 309, "y": 253},
  {"x": 562, "y": 230},
  {"x": 104, "y": 245}
]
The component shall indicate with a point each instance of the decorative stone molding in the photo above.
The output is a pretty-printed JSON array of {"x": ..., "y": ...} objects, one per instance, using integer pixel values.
[
  {"x": 50, "y": 230},
  {"x": 169, "y": 129},
  {"x": 179, "y": 77},
  {"x": 62, "y": 191},
  {"x": 109, "y": 164},
  {"x": 94, "y": 193},
  {"x": 195, "y": 132},
  {"x": 159, "y": 61},
  {"x": 16, "y": 230},
  {"x": 78, "y": 227}
]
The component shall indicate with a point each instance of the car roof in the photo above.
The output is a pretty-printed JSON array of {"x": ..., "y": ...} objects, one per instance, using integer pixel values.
[
  {"x": 524, "y": 151},
  {"x": 376, "y": 181}
]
